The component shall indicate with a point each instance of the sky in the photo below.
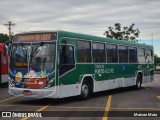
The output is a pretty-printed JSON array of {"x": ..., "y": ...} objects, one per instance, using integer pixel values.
[
  {"x": 82, "y": 16},
  {"x": 155, "y": 43}
]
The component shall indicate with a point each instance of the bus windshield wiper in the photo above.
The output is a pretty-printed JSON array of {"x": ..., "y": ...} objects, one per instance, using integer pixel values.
[{"x": 34, "y": 52}]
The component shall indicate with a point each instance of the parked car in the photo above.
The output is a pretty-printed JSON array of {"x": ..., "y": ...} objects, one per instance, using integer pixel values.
[{"x": 157, "y": 68}]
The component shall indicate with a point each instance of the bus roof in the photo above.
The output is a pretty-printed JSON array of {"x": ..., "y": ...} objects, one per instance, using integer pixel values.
[
  {"x": 101, "y": 39},
  {"x": 62, "y": 33}
]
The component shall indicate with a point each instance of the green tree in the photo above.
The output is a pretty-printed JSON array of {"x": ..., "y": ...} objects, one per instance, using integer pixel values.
[
  {"x": 127, "y": 33},
  {"x": 3, "y": 38},
  {"x": 156, "y": 60}
]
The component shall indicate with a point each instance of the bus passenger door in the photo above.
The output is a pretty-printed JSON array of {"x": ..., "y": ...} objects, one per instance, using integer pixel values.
[{"x": 66, "y": 59}]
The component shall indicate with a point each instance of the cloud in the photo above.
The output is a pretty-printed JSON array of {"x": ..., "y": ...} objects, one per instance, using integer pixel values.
[{"x": 84, "y": 16}]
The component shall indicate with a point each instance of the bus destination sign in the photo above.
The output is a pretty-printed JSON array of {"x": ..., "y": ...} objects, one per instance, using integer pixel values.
[{"x": 37, "y": 37}]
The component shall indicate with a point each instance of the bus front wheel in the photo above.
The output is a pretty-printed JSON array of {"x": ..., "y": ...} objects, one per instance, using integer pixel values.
[{"x": 85, "y": 90}]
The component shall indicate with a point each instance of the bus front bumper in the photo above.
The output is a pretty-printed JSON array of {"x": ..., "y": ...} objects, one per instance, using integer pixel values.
[{"x": 38, "y": 93}]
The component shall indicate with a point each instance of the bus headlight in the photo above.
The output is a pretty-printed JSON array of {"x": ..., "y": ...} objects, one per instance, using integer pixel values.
[
  {"x": 50, "y": 82},
  {"x": 11, "y": 82}
]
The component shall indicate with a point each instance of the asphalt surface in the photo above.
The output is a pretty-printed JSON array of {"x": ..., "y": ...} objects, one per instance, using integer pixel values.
[{"x": 119, "y": 104}]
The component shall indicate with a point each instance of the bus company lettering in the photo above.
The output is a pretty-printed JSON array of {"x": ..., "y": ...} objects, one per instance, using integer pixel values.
[
  {"x": 102, "y": 71},
  {"x": 99, "y": 69}
]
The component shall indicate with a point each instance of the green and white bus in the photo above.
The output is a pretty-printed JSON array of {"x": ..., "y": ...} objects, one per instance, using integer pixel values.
[{"x": 58, "y": 64}]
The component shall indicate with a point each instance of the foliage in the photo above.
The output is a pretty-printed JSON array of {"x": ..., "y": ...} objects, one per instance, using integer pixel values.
[
  {"x": 128, "y": 33},
  {"x": 3, "y": 38},
  {"x": 156, "y": 60}
]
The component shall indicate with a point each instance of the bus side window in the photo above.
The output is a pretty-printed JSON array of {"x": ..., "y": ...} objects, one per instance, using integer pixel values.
[
  {"x": 141, "y": 55},
  {"x": 66, "y": 59},
  {"x": 66, "y": 55},
  {"x": 123, "y": 54},
  {"x": 112, "y": 56},
  {"x": 69, "y": 55},
  {"x": 98, "y": 52},
  {"x": 132, "y": 54},
  {"x": 84, "y": 51},
  {"x": 148, "y": 56}
]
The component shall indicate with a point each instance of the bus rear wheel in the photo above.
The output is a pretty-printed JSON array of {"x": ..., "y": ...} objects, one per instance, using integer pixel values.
[
  {"x": 138, "y": 82},
  {"x": 85, "y": 90}
]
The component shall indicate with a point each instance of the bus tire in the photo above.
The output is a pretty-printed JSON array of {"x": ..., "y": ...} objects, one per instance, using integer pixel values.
[
  {"x": 138, "y": 82},
  {"x": 85, "y": 90}
]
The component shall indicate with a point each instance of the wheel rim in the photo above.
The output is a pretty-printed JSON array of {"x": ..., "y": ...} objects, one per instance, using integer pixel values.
[{"x": 85, "y": 90}]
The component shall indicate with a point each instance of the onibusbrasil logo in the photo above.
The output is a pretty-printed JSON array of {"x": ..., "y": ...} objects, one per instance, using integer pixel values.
[{"x": 21, "y": 114}]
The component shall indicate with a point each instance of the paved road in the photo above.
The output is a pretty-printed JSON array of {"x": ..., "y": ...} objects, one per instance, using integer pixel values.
[{"x": 121, "y": 104}]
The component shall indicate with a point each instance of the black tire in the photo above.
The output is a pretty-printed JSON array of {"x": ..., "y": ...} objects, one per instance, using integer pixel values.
[
  {"x": 138, "y": 82},
  {"x": 85, "y": 90}
]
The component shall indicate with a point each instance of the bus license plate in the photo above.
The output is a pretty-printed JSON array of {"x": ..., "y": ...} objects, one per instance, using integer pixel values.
[{"x": 27, "y": 92}]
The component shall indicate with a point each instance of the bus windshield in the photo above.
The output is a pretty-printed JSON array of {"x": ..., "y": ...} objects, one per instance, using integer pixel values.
[{"x": 32, "y": 59}]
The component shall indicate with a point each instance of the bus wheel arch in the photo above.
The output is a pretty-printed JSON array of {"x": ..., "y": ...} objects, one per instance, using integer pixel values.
[
  {"x": 139, "y": 79},
  {"x": 87, "y": 87}
]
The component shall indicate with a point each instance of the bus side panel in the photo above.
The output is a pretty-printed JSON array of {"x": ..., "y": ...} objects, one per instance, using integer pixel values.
[
  {"x": 106, "y": 76},
  {"x": 4, "y": 67},
  {"x": 118, "y": 75},
  {"x": 70, "y": 82},
  {"x": 0, "y": 67},
  {"x": 148, "y": 72},
  {"x": 151, "y": 72}
]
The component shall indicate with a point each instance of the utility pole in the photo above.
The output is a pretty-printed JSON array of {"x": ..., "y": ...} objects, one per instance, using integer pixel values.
[{"x": 9, "y": 24}]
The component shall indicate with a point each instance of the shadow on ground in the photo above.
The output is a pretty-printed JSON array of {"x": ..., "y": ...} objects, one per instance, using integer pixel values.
[{"x": 76, "y": 99}]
